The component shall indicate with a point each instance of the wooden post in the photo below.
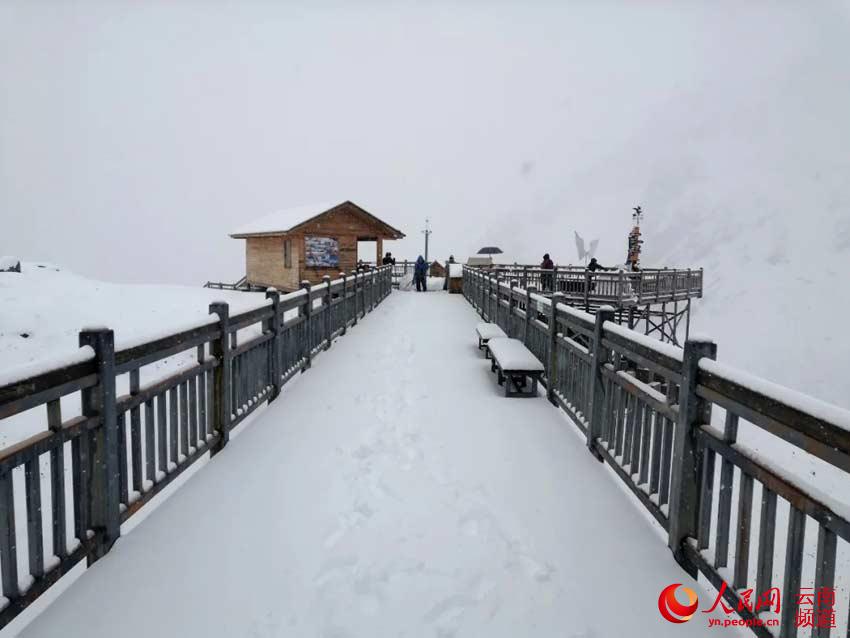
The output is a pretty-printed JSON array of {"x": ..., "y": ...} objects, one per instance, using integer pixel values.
[
  {"x": 220, "y": 349},
  {"x": 104, "y": 476},
  {"x": 327, "y": 301},
  {"x": 552, "y": 367},
  {"x": 596, "y": 402},
  {"x": 355, "y": 278},
  {"x": 555, "y": 279},
  {"x": 587, "y": 281},
  {"x": 307, "y": 343},
  {"x": 684, "y": 478},
  {"x": 273, "y": 326}
]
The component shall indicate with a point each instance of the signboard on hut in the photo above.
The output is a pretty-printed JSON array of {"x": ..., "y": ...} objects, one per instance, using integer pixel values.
[{"x": 321, "y": 252}]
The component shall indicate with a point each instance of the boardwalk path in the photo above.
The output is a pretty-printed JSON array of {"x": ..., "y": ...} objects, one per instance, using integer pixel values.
[{"x": 390, "y": 491}]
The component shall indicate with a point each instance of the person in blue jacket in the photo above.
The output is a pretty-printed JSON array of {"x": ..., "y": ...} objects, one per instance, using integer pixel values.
[{"x": 420, "y": 272}]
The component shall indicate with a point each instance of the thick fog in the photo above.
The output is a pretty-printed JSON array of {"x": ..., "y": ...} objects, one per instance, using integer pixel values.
[{"x": 134, "y": 136}]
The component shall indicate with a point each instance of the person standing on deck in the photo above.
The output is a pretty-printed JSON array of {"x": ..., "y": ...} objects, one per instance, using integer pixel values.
[
  {"x": 547, "y": 280},
  {"x": 448, "y": 272},
  {"x": 420, "y": 272},
  {"x": 594, "y": 265},
  {"x": 388, "y": 260}
]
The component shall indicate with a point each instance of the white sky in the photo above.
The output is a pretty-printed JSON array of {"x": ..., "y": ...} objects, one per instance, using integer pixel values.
[{"x": 134, "y": 136}]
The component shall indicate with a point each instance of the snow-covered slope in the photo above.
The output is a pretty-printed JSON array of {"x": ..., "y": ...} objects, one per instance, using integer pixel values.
[{"x": 44, "y": 307}]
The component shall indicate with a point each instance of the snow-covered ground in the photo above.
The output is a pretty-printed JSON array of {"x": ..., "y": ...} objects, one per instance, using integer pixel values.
[
  {"x": 390, "y": 491},
  {"x": 44, "y": 307}
]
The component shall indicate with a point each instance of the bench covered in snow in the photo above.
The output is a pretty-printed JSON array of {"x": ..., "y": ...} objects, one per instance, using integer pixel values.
[
  {"x": 487, "y": 331},
  {"x": 514, "y": 364}
]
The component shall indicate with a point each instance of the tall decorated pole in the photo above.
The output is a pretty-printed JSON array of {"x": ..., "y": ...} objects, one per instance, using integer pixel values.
[{"x": 635, "y": 242}]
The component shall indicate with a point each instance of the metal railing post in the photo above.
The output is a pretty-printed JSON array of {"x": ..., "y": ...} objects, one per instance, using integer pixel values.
[
  {"x": 596, "y": 402},
  {"x": 482, "y": 288},
  {"x": 513, "y": 303},
  {"x": 552, "y": 363},
  {"x": 685, "y": 473},
  {"x": 528, "y": 312},
  {"x": 355, "y": 278},
  {"x": 344, "y": 278},
  {"x": 499, "y": 300},
  {"x": 104, "y": 475},
  {"x": 326, "y": 299},
  {"x": 220, "y": 349},
  {"x": 307, "y": 345},
  {"x": 274, "y": 327}
]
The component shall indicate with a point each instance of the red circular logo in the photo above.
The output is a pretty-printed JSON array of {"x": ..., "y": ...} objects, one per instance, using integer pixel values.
[{"x": 674, "y": 611}]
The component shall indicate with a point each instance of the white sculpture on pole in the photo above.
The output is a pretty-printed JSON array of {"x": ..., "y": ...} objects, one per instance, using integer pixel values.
[{"x": 583, "y": 253}]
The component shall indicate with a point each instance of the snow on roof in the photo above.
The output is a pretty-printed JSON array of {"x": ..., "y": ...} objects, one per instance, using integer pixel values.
[{"x": 283, "y": 220}]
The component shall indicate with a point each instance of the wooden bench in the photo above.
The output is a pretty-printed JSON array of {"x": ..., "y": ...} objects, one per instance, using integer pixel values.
[
  {"x": 487, "y": 331},
  {"x": 514, "y": 364}
]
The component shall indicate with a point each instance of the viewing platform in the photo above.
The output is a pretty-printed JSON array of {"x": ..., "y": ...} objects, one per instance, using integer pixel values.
[
  {"x": 360, "y": 472},
  {"x": 361, "y": 503}
]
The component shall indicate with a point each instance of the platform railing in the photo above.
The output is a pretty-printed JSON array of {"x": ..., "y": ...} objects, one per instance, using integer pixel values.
[
  {"x": 663, "y": 418},
  {"x": 616, "y": 287},
  {"x": 76, "y": 481}
]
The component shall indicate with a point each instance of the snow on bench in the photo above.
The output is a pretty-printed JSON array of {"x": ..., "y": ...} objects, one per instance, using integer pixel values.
[
  {"x": 514, "y": 362},
  {"x": 487, "y": 331}
]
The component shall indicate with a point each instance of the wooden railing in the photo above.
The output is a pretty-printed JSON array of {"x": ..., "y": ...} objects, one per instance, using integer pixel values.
[
  {"x": 613, "y": 287},
  {"x": 660, "y": 416},
  {"x": 124, "y": 450}
]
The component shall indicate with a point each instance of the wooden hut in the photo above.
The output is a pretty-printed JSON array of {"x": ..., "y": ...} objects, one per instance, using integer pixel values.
[{"x": 309, "y": 242}]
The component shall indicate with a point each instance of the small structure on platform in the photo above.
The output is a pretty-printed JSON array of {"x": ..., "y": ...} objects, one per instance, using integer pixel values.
[
  {"x": 455, "y": 278},
  {"x": 480, "y": 261},
  {"x": 309, "y": 242}
]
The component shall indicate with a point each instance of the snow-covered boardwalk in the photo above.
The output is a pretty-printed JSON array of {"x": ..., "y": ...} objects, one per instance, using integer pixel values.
[{"x": 390, "y": 491}]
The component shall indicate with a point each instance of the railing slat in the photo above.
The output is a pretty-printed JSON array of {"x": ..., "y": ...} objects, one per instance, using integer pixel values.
[
  {"x": 793, "y": 571},
  {"x": 767, "y": 537},
  {"x": 742, "y": 544},
  {"x": 8, "y": 544}
]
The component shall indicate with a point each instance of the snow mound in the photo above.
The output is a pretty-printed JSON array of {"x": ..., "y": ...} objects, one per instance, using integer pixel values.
[{"x": 45, "y": 308}]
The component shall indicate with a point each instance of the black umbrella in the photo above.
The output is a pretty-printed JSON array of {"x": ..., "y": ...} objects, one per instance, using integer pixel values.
[{"x": 490, "y": 250}]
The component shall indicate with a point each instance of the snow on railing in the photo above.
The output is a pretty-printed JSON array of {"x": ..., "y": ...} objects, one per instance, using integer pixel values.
[
  {"x": 647, "y": 409},
  {"x": 614, "y": 286},
  {"x": 139, "y": 431}
]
